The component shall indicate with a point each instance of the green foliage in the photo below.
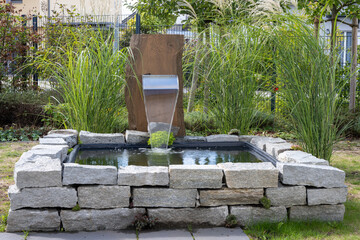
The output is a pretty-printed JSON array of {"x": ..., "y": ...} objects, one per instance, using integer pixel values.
[
  {"x": 265, "y": 202},
  {"x": 53, "y": 115},
  {"x": 231, "y": 221},
  {"x": 310, "y": 90},
  {"x": 161, "y": 139},
  {"x": 15, "y": 42},
  {"x": 142, "y": 221},
  {"x": 234, "y": 132},
  {"x": 11, "y": 134},
  {"x": 233, "y": 66},
  {"x": 70, "y": 150},
  {"x": 199, "y": 121},
  {"x": 91, "y": 81},
  {"x": 26, "y": 234},
  {"x": 3, "y": 222},
  {"x": 76, "y": 208},
  {"x": 311, "y": 229},
  {"x": 26, "y": 97}
]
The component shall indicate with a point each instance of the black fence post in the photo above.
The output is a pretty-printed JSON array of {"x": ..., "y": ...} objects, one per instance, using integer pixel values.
[
  {"x": 138, "y": 24},
  {"x": 35, "y": 30}
]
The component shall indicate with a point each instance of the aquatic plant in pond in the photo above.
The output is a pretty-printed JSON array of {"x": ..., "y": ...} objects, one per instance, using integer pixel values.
[{"x": 161, "y": 138}]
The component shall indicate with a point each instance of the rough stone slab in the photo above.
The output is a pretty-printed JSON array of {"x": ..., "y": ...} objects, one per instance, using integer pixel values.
[
  {"x": 169, "y": 234},
  {"x": 33, "y": 220},
  {"x": 195, "y": 176},
  {"x": 220, "y": 233},
  {"x": 286, "y": 196},
  {"x": 194, "y": 139},
  {"x": 69, "y": 135},
  {"x": 247, "y": 215},
  {"x": 64, "y": 131},
  {"x": 230, "y": 197},
  {"x": 250, "y": 175},
  {"x": 53, "y": 151},
  {"x": 136, "y": 137},
  {"x": 246, "y": 138},
  {"x": 326, "y": 196},
  {"x": 274, "y": 149},
  {"x": 52, "y": 141},
  {"x": 84, "y": 174},
  {"x": 63, "y": 197},
  {"x": 142, "y": 176},
  {"x": 311, "y": 175},
  {"x": 93, "y": 220},
  {"x": 91, "y": 138},
  {"x": 301, "y": 158},
  {"x": 37, "y": 171},
  {"x": 164, "y": 197},
  {"x": 326, "y": 213},
  {"x": 182, "y": 217},
  {"x": 260, "y": 142},
  {"x": 101, "y": 197},
  {"x": 222, "y": 138}
]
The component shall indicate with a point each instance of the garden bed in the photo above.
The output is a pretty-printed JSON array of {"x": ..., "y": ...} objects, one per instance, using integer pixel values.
[{"x": 49, "y": 195}]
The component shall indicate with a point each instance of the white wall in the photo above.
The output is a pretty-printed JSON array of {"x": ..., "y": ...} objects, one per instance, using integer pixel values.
[{"x": 87, "y": 7}]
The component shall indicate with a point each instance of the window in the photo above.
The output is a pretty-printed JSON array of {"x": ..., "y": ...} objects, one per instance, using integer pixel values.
[{"x": 16, "y": 1}]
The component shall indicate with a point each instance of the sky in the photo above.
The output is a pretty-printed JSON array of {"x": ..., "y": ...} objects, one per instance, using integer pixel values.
[{"x": 126, "y": 10}]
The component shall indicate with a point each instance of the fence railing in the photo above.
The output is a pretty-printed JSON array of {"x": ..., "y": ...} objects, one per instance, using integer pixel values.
[{"x": 132, "y": 24}]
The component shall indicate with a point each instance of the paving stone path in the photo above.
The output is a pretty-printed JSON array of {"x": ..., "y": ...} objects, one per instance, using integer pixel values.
[{"x": 198, "y": 234}]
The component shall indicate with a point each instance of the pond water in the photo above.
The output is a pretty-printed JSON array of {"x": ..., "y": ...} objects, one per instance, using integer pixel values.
[{"x": 148, "y": 157}]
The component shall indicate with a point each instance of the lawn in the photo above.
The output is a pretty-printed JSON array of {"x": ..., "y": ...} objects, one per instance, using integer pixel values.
[
  {"x": 345, "y": 157},
  {"x": 9, "y": 154}
]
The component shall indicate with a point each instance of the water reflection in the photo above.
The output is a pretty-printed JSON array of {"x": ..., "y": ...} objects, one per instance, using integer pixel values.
[{"x": 148, "y": 157}]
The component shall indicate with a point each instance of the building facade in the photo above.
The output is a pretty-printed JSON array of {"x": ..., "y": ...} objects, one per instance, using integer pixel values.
[{"x": 83, "y": 7}]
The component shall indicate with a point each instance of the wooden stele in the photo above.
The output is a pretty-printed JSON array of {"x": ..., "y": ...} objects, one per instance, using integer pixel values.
[{"x": 155, "y": 55}]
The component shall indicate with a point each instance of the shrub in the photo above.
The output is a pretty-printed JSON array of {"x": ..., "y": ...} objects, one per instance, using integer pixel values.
[{"x": 13, "y": 133}]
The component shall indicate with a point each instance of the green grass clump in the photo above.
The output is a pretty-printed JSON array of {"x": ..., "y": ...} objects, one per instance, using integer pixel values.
[
  {"x": 90, "y": 81},
  {"x": 310, "y": 91},
  {"x": 265, "y": 202},
  {"x": 233, "y": 64},
  {"x": 231, "y": 221},
  {"x": 76, "y": 208},
  {"x": 3, "y": 222}
]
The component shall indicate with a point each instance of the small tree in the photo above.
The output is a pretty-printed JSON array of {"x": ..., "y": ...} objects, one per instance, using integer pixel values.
[{"x": 15, "y": 42}]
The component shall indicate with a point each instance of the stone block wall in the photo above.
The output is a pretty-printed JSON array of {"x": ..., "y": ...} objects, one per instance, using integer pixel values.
[{"x": 300, "y": 187}]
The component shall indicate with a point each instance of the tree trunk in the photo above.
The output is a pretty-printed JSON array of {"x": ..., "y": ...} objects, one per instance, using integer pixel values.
[
  {"x": 316, "y": 27},
  {"x": 353, "y": 63}
]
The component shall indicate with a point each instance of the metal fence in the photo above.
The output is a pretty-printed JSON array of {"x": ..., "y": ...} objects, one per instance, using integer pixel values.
[
  {"x": 126, "y": 25},
  {"x": 123, "y": 24}
]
